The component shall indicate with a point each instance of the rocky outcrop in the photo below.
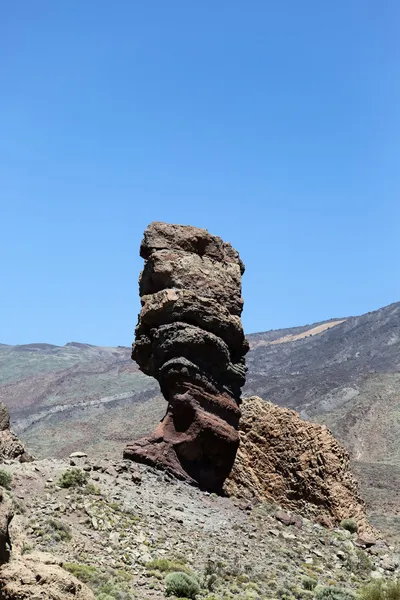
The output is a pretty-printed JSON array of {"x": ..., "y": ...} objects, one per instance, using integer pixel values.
[
  {"x": 39, "y": 576},
  {"x": 298, "y": 464},
  {"x": 190, "y": 338},
  {"x": 6, "y": 515},
  {"x": 10, "y": 445},
  {"x": 32, "y": 576}
]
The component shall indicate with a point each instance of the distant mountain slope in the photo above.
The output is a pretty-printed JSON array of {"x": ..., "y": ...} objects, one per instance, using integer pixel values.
[
  {"x": 76, "y": 395},
  {"x": 347, "y": 376},
  {"x": 344, "y": 372}
]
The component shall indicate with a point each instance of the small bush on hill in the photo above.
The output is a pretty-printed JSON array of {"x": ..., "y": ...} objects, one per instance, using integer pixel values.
[
  {"x": 106, "y": 583},
  {"x": 5, "y": 479},
  {"x": 166, "y": 565},
  {"x": 364, "y": 563},
  {"x": 333, "y": 593},
  {"x": 86, "y": 573},
  {"x": 73, "y": 478},
  {"x": 381, "y": 590},
  {"x": 349, "y": 525},
  {"x": 181, "y": 585},
  {"x": 61, "y": 531},
  {"x": 309, "y": 583}
]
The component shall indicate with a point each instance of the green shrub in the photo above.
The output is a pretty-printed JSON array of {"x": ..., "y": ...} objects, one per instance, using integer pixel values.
[
  {"x": 381, "y": 590},
  {"x": 86, "y": 573},
  {"x": 333, "y": 593},
  {"x": 309, "y": 583},
  {"x": 5, "y": 479},
  {"x": 349, "y": 525},
  {"x": 73, "y": 478},
  {"x": 181, "y": 585},
  {"x": 166, "y": 565},
  {"x": 90, "y": 488},
  {"x": 392, "y": 589},
  {"x": 62, "y": 531},
  {"x": 364, "y": 564}
]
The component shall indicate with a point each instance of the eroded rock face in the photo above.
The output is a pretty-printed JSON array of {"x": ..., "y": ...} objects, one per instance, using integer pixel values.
[
  {"x": 299, "y": 465},
  {"x": 10, "y": 445},
  {"x": 6, "y": 515},
  {"x": 190, "y": 338}
]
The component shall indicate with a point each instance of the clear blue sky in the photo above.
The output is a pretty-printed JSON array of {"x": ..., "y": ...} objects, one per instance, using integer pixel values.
[{"x": 274, "y": 124}]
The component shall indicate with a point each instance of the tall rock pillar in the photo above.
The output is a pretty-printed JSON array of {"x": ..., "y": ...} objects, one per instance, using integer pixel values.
[{"x": 190, "y": 338}]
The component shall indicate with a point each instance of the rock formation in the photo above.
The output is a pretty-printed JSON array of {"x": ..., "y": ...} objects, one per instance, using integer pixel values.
[
  {"x": 10, "y": 445},
  {"x": 6, "y": 515},
  {"x": 39, "y": 576},
  {"x": 190, "y": 338},
  {"x": 299, "y": 465},
  {"x": 31, "y": 576}
]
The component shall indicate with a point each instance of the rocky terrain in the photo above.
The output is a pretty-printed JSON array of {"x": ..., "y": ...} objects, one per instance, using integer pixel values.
[
  {"x": 288, "y": 519},
  {"x": 120, "y": 528},
  {"x": 190, "y": 338},
  {"x": 78, "y": 395}
]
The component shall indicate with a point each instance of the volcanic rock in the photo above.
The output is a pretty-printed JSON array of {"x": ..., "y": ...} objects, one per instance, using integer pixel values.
[
  {"x": 190, "y": 338},
  {"x": 10, "y": 445},
  {"x": 299, "y": 465}
]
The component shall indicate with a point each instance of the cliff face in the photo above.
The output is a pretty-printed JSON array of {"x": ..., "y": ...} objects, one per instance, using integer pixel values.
[
  {"x": 298, "y": 464},
  {"x": 190, "y": 338}
]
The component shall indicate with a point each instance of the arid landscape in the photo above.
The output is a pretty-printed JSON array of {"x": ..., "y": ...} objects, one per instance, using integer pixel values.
[{"x": 343, "y": 373}]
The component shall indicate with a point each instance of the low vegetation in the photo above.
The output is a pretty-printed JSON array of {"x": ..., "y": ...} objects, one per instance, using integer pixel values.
[
  {"x": 181, "y": 585},
  {"x": 107, "y": 584},
  {"x": 73, "y": 478},
  {"x": 333, "y": 592},
  {"x": 5, "y": 479},
  {"x": 381, "y": 590},
  {"x": 166, "y": 565},
  {"x": 349, "y": 525},
  {"x": 309, "y": 583}
]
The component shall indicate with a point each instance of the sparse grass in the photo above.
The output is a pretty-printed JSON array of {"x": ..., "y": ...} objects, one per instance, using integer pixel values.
[
  {"x": 73, "y": 478},
  {"x": 52, "y": 531},
  {"x": 309, "y": 583},
  {"x": 26, "y": 548},
  {"x": 86, "y": 573},
  {"x": 166, "y": 565},
  {"x": 332, "y": 592},
  {"x": 381, "y": 590},
  {"x": 181, "y": 585},
  {"x": 106, "y": 584},
  {"x": 364, "y": 563},
  {"x": 62, "y": 531},
  {"x": 5, "y": 479},
  {"x": 18, "y": 507},
  {"x": 91, "y": 489}
]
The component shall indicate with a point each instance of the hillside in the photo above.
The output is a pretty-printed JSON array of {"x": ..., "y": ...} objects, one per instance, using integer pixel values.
[
  {"x": 125, "y": 526},
  {"x": 343, "y": 372},
  {"x": 76, "y": 395}
]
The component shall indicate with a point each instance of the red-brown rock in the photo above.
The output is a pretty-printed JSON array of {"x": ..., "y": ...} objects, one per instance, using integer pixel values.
[
  {"x": 299, "y": 465},
  {"x": 190, "y": 338}
]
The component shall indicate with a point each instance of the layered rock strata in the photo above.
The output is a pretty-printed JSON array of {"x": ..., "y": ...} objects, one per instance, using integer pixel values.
[
  {"x": 190, "y": 338},
  {"x": 299, "y": 465}
]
